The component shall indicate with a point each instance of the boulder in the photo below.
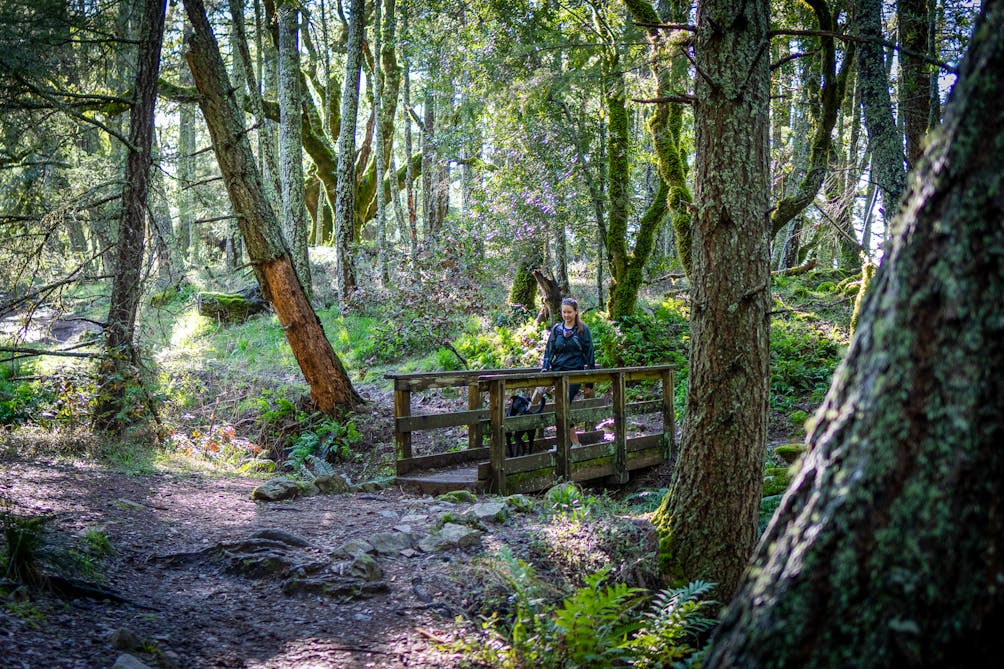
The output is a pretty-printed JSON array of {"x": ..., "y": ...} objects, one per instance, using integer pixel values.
[
  {"x": 354, "y": 548},
  {"x": 449, "y": 537},
  {"x": 495, "y": 512},
  {"x": 458, "y": 496},
  {"x": 366, "y": 568},
  {"x": 332, "y": 484},
  {"x": 391, "y": 542},
  {"x": 125, "y": 639},
  {"x": 231, "y": 308},
  {"x": 275, "y": 490}
]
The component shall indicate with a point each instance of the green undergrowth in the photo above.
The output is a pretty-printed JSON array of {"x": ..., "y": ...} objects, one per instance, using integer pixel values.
[{"x": 582, "y": 593}]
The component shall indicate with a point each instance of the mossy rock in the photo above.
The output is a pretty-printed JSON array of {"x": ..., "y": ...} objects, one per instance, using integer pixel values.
[
  {"x": 458, "y": 497},
  {"x": 798, "y": 418},
  {"x": 520, "y": 503},
  {"x": 790, "y": 453},
  {"x": 826, "y": 287},
  {"x": 231, "y": 308}
]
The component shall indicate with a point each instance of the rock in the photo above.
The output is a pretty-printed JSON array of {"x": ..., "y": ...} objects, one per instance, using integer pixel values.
[
  {"x": 449, "y": 537},
  {"x": 414, "y": 518},
  {"x": 281, "y": 536},
  {"x": 408, "y": 552},
  {"x": 276, "y": 489},
  {"x": 332, "y": 484},
  {"x": 366, "y": 568},
  {"x": 489, "y": 511},
  {"x": 457, "y": 496},
  {"x": 406, "y": 529},
  {"x": 231, "y": 307},
  {"x": 127, "y": 661},
  {"x": 309, "y": 489},
  {"x": 123, "y": 503},
  {"x": 125, "y": 639},
  {"x": 354, "y": 548},
  {"x": 343, "y": 588},
  {"x": 391, "y": 542}
]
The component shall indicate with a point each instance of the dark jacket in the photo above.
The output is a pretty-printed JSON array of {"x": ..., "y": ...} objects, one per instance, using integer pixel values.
[{"x": 566, "y": 353}]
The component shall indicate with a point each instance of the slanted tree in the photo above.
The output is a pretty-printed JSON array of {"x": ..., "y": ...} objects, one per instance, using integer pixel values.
[
  {"x": 707, "y": 522},
  {"x": 330, "y": 386},
  {"x": 885, "y": 551},
  {"x": 127, "y": 284}
]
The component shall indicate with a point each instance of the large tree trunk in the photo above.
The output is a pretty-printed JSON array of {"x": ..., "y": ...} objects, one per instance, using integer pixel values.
[
  {"x": 707, "y": 522},
  {"x": 330, "y": 387},
  {"x": 886, "y": 549},
  {"x": 127, "y": 284},
  {"x": 294, "y": 207}
]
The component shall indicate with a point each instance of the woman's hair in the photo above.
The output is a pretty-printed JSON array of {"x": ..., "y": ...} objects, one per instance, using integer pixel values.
[{"x": 579, "y": 325}]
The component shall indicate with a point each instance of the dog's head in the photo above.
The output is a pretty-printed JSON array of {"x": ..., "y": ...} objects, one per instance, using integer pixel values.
[{"x": 518, "y": 406}]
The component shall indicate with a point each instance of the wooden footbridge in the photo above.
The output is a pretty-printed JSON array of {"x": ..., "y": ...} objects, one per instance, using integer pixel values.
[{"x": 482, "y": 464}]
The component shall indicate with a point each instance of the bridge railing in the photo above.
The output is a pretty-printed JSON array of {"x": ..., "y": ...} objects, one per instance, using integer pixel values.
[{"x": 613, "y": 459}]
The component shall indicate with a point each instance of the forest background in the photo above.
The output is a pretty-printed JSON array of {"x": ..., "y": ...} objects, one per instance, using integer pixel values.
[{"x": 414, "y": 163}]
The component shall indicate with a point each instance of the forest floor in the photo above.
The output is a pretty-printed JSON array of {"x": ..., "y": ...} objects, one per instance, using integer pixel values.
[{"x": 210, "y": 617}]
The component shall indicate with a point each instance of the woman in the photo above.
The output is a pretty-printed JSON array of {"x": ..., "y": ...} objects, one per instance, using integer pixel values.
[{"x": 570, "y": 347}]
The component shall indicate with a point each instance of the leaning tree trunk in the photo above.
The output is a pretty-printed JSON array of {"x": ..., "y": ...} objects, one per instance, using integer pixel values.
[
  {"x": 886, "y": 550},
  {"x": 127, "y": 284},
  {"x": 330, "y": 387},
  {"x": 707, "y": 522}
]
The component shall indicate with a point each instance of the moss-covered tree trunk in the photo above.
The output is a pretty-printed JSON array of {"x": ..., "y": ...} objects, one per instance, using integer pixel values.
[
  {"x": 330, "y": 387},
  {"x": 345, "y": 196},
  {"x": 524, "y": 286},
  {"x": 707, "y": 522},
  {"x": 886, "y": 550},
  {"x": 914, "y": 81}
]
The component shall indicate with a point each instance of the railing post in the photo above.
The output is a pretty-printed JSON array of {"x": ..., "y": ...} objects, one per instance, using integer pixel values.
[
  {"x": 563, "y": 452},
  {"x": 402, "y": 409},
  {"x": 668, "y": 416},
  {"x": 620, "y": 474},
  {"x": 496, "y": 408},
  {"x": 474, "y": 403}
]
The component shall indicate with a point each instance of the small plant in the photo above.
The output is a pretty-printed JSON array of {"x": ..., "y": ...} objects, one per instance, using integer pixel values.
[
  {"x": 326, "y": 441},
  {"x": 96, "y": 542},
  {"x": 569, "y": 500},
  {"x": 23, "y": 540},
  {"x": 672, "y": 627}
]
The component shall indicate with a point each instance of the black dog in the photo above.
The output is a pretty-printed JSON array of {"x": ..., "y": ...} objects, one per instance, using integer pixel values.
[{"x": 520, "y": 442}]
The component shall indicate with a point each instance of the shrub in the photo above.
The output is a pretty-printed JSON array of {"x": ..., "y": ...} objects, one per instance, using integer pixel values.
[
  {"x": 659, "y": 337},
  {"x": 803, "y": 357}
]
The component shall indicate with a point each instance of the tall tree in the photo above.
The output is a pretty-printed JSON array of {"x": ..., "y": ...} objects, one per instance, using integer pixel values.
[
  {"x": 294, "y": 208},
  {"x": 914, "y": 81},
  {"x": 345, "y": 201},
  {"x": 884, "y": 138},
  {"x": 330, "y": 386},
  {"x": 127, "y": 284},
  {"x": 886, "y": 549},
  {"x": 707, "y": 522}
]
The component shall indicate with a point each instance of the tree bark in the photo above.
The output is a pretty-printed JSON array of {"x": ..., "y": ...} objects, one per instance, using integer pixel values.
[
  {"x": 885, "y": 551},
  {"x": 884, "y": 138},
  {"x": 345, "y": 200},
  {"x": 914, "y": 82},
  {"x": 294, "y": 219},
  {"x": 127, "y": 284},
  {"x": 330, "y": 387},
  {"x": 707, "y": 522}
]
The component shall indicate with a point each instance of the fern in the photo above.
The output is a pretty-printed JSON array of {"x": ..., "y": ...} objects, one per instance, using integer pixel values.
[{"x": 672, "y": 627}]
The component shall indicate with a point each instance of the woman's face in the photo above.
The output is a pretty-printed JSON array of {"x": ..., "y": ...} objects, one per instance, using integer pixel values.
[{"x": 568, "y": 313}]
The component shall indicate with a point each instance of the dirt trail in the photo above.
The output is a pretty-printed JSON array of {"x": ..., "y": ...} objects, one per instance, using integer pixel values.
[{"x": 210, "y": 618}]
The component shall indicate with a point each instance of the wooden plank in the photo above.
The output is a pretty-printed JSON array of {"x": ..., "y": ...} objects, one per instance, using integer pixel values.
[
  {"x": 668, "y": 415},
  {"x": 474, "y": 403},
  {"x": 439, "y": 460},
  {"x": 647, "y": 458},
  {"x": 526, "y": 463},
  {"x": 402, "y": 408},
  {"x": 593, "y": 451},
  {"x": 533, "y": 481},
  {"x": 564, "y": 444},
  {"x": 466, "y": 373},
  {"x": 619, "y": 391},
  {"x": 496, "y": 408},
  {"x": 434, "y": 421},
  {"x": 644, "y": 442},
  {"x": 593, "y": 469}
]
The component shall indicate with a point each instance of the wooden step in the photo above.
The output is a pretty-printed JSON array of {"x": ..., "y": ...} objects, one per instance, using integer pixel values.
[{"x": 436, "y": 483}]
